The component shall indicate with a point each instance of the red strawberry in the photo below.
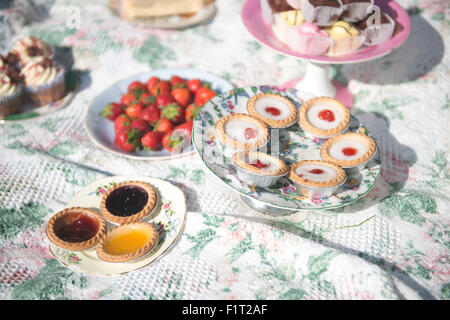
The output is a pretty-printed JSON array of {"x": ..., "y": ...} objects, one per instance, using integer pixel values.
[
  {"x": 163, "y": 125},
  {"x": 134, "y": 110},
  {"x": 141, "y": 125},
  {"x": 138, "y": 93},
  {"x": 202, "y": 95},
  {"x": 128, "y": 99},
  {"x": 147, "y": 99},
  {"x": 136, "y": 85},
  {"x": 163, "y": 99},
  {"x": 191, "y": 111},
  {"x": 176, "y": 81},
  {"x": 121, "y": 121},
  {"x": 160, "y": 87},
  {"x": 151, "y": 113},
  {"x": 182, "y": 95},
  {"x": 193, "y": 85},
  {"x": 152, "y": 140},
  {"x": 112, "y": 111},
  {"x": 186, "y": 127},
  {"x": 151, "y": 82},
  {"x": 173, "y": 112},
  {"x": 178, "y": 138},
  {"x": 128, "y": 139}
]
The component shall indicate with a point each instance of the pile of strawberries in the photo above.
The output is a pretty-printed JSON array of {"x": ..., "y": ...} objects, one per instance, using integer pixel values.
[{"x": 151, "y": 115}]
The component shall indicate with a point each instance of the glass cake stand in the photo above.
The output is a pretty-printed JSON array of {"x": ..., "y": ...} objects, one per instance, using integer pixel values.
[{"x": 316, "y": 79}]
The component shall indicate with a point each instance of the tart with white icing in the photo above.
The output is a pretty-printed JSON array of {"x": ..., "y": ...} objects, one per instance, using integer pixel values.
[
  {"x": 349, "y": 149},
  {"x": 274, "y": 109},
  {"x": 258, "y": 168},
  {"x": 242, "y": 131},
  {"x": 324, "y": 117},
  {"x": 317, "y": 173}
]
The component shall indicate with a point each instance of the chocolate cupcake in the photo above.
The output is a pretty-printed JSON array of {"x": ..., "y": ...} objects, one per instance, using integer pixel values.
[
  {"x": 44, "y": 80},
  {"x": 30, "y": 47},
  {"x": 355, "y": 10},
  {"x": 321, "y": 12},
  {"x": 377, "y": 32},
  {"x": 10, "y": 93}
]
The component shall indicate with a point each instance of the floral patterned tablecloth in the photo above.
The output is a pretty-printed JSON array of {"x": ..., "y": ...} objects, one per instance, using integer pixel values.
[{"x": 393, "y": 244}]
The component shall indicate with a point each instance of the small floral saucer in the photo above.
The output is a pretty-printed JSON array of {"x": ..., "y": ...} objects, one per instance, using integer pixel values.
[
  {"x": 168, "y": 219},
  {"x": 292, "y": 144}
]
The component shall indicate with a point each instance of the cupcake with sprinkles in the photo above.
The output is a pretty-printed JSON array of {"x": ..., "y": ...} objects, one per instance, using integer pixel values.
[
  {"x": 31, "y": 47},
  {"x": 44, "y": 80},
  {"x": 10, "y": 92}
]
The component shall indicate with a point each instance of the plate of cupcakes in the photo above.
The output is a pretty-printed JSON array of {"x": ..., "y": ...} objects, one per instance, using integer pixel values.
[
  {"x": 117, "y": 224},
  {"x": 285, "y": 152},
  {"x": 32, "y": 81},
  {"x": 328, "y": 31}
]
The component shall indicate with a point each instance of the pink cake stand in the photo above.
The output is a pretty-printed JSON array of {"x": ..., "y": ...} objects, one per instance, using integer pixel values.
[{"x": 316, "y": 79}]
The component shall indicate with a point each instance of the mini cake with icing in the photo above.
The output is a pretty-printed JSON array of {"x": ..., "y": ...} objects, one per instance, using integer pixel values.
[
  {"x": 274, "y": 109},
  {"x": 30, "y": 47},
  {"x": 316, "y": 178},
  {"x": 258, "y": 168},
  {"x": 377, "y": 32},
  {"x": 308, "y": 38},
  {"x": 324, "y": 117},
  {"x": 349, "y": 150},
  {"x": 44, "y": 80},
  {"x": 355, "y": 10},
  {"x": 10, "y": 92},
  {"x": 76, "y": 228},
  {"x": 127, "y": 242},
  {"x": 241, "y": 131},
  {"x": 285, "y": 20},
  {"x": 321, "y": 12},
  {"x": 345, "y": 38},
  {"x": 271, "y": 7},
  {"x": 127, "y": 202}
]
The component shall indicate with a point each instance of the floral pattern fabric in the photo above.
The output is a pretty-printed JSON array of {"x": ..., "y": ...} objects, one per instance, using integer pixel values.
[{"x": 392, "y": 244}]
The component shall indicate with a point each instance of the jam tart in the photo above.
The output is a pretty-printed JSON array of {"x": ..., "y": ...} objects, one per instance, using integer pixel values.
[
  {"x": 76, "y": 228},
  {"x": 127, "y": 242},
  {"x": 324, "y": 117},
  {"x": 275, "y": 110},
  {"x": 316, "y": 178},
  {"x": 348, "y": 150},
  {"x": 242, "y": 131},
  {"x": 127, "y": 202},
  {"x": 258, "y": 168}
]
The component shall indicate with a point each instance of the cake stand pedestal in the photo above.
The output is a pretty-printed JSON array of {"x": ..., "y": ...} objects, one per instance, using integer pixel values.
[{"x": 316, "y": 80}]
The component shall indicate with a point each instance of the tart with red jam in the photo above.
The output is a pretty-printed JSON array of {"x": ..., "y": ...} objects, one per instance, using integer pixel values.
[
  {"x": 242, "y": 131},
  {"x": 348, "y": 150},
  {"x": 258, "y": 168},
  {"x": 274, "y": 109},
  {"x": 128, "y": 202},
  {"x": 316, "y": 178},
  {"x": 76, "y": 228},
  {"x": 127, "y": 242},
  {"x": 324, "y": 117}
]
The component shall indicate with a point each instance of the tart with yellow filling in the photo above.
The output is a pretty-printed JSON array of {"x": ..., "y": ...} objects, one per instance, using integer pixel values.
[
  {"x": 348, "y": 150},
  {"x": 127, "y": 242},
  {"x": 274, "y": 109},
  {"x": 324, "y": 117},
  {"x": 76, "y": 228},
  {"x": 242, "y": 131},
  {"x": 127, "y": 202}
]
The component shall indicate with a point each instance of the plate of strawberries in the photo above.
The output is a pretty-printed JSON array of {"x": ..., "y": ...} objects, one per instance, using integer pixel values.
[{"x": 148, "y": 116}]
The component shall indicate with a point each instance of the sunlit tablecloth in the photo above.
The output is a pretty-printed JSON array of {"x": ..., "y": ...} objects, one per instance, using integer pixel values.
[{"x": 393, "y": 244}]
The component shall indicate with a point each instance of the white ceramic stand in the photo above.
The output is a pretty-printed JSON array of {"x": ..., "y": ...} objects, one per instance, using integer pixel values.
[{"x": 316, "y": 80}]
